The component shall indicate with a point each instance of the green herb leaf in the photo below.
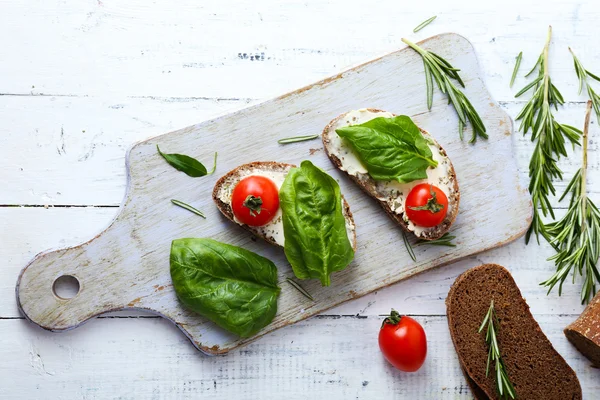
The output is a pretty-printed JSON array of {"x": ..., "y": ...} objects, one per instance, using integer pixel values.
[
  {"x": 390, "y": 148},
  {"x": 503, "y": 385},
  {"x": 445, "y": 240},
  {"x": 233, "y": 287},
  {"x": 440, "y": 70},
  {"x": 297, "y": 139},
  {"x": 190, "y": 166},
  {"x": 299, "y": 288},
  {"x": 188, "y": 207},
  {"x": 517, "y": 65},
  {"x": 424, "y": 24},
  {"x": 576, "y": 236},
  {"x": 550, "y": 139},
  {"x": 408, "y": 246},
  {"x": 314, "y": 227}
]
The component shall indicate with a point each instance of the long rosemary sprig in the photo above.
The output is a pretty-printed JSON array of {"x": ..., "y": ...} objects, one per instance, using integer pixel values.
[
  {"x": 503, "y": 384},
  {"x": 582, "y": 75},
  {"x": 576, "y": 236},
  {"x": 440, "y": 70},
  {"x": 549, "y": 137}
]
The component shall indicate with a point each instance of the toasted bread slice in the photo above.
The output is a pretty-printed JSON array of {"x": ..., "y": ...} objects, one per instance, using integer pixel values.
[
  {"x": 584, "y": 332},
  {"x": 531, "y": 362},
  {"x": 272, "y": 232},
  {"x": 391, "y": 195}
]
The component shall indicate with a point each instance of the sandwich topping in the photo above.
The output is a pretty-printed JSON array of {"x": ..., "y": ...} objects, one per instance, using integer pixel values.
[{"x": 435, "y": 170}]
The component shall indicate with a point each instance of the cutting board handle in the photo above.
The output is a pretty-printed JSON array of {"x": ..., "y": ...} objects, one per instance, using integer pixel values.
[{"x": 99, "y": 291}]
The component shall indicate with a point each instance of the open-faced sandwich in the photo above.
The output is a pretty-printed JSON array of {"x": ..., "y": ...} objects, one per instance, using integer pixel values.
[
  {"x": 299, "y": 208},
  {"x": 400, "y": 165}
]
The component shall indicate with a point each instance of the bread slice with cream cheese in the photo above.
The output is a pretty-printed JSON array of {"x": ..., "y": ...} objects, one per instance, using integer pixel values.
[
  {"x": 272, "y": 232},
  {"x": 391, "y": 195}
]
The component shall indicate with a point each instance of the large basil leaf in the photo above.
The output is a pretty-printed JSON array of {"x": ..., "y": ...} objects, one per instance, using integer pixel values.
[
  {"x": 314, "y": 227},
  {"x": 390, "y": 148},
  {"x": 233, "y": 287}
]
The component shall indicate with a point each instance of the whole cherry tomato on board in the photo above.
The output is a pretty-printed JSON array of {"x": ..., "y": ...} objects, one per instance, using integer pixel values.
[
  {"x": 426, "y": 205},
  {"x": 255, "y": 200},
  {"x": 403, "y": 342}
]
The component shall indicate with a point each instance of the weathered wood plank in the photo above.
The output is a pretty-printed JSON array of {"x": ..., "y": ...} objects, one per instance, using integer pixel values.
[
  {"x": 149, "y": 358},
  {"x": 264, "y": 48}
]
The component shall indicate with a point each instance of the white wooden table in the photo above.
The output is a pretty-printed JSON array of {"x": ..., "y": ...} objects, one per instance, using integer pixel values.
[{"x": 82, "y": 80}]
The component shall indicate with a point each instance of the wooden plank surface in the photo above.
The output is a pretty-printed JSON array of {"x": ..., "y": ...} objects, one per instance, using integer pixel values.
[
  {"x": 126, "y": 266},
  {"x": 100, "y": 71}
]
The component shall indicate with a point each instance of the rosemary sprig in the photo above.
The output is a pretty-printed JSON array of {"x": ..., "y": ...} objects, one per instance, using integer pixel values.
[
  {"x": 440, "y": 70},
  {"x": 576, "y": 236},
  {"x": 188, "y": 207},
  {"x": 445, "y": 240},
  {"x": 299, "y": 288},
  {"x": 503, "y": 384},
  {"x": 550, "y": 137},
  {"x": 517, "y": 65},
  {"x": 297, "y": 139},
  {"x": 582, "y": 75},
  {"x": 408, "y": 246},
  {"x": 424, "y": 24}
]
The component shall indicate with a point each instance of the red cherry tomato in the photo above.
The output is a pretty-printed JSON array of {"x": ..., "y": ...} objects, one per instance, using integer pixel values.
[
  {"x": 426, "y": 205},
  {"x": 403, "y": 342},
  {"x": 255, "y": 200}
]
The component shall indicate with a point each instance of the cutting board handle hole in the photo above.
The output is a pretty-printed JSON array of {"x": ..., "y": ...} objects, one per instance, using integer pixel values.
[{"x": 65, "y": 287}]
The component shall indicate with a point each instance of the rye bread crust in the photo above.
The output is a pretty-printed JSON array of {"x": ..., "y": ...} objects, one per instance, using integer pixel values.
[
  {"x": 234, "y": 176},
  {"x": 368, "y": 184},
  {"x": 531, "y": 361},
  {"x": 584, "y": 332}
]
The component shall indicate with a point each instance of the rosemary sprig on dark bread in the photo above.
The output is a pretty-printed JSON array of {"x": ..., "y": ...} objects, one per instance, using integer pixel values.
[
  {"x": 550, "y": 138},
  {"x": 503, "y": 384},
  {"x": 576, "y": 236},
  {"x": 442, "y": 72}
]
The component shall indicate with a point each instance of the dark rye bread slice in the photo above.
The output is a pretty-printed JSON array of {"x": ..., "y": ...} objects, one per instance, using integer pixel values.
[
  {"x": 584, "y": 332},
  {"x": 369, "y": 185},
  {"x": 231, "y": 179},
  {"x": 536, "y": 370}
]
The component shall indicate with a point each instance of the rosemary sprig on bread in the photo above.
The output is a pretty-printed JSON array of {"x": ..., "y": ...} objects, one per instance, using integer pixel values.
[{"x": 503, "y": 384}]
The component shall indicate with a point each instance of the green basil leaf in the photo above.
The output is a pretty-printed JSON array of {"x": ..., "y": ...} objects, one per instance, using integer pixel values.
[
  {"x": 233, "y": 287},
  {"x": 314, "y": 227},
  {"x": 390, "y": 148},
  {"x": 187, "y": 164}
]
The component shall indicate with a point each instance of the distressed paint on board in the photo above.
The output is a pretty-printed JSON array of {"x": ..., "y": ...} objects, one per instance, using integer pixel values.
[{"x": 127, "y": 265}]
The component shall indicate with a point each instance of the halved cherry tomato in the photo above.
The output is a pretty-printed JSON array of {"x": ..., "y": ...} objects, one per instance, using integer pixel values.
[
  {"x": 255, "y": 200},
  {"x": 403, "y": 342},
  {"x": 426, "y": 205}
]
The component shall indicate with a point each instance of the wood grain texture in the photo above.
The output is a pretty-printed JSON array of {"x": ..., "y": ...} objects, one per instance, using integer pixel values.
[
  {"x": 324, "y": 357},
  {"x": 126, "y": 266}
]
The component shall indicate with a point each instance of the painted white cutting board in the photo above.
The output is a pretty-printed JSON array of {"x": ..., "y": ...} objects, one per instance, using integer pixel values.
[{"x": 127, "y": 265}]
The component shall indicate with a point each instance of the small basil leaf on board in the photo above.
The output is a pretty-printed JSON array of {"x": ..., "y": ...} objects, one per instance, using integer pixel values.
[
  {"x": 233, "y": 287},
  {"x": 314, "y": 227},
  {"x": 190, "y": 166},
  {"x": 390, "y": 148}
]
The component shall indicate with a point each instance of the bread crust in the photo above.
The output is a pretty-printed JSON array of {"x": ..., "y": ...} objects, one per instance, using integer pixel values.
[
  {"x": 584, "y": 332},
  {"x": 531, "y": 361},
  {"x": 368, "y": 184},
  {"x": 234, "y": 176}
]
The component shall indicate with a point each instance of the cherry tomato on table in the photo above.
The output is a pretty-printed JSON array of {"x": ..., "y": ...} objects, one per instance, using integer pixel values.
[
  {"x": 426, "y": 205},
  {"x": 403, "y": 342},
  {"x": 255, "y": 200}
]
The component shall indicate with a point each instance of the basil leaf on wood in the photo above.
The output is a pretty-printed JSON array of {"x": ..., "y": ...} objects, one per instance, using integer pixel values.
[
  {"x": 190, "y": 166},
  {"x": 390, "y": 148},
  {"x": 314, "y": 227},
  {"x": 233, "y": 287}
]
